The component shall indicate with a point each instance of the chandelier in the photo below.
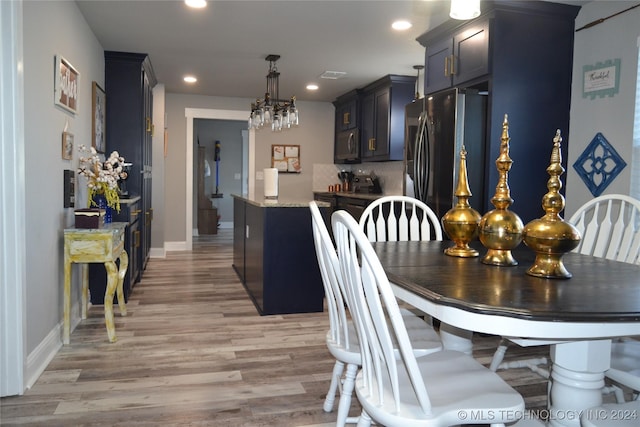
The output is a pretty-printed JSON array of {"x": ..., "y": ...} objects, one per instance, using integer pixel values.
[{"x": 271, "y": 110}]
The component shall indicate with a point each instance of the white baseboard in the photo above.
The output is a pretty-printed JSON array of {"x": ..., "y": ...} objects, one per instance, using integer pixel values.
[
  {"x": 175, "y": 246},
  {"x": 225, "y": 225},
  {"x": 195, "y": 232},
  {"x": 43, "y": 354},
  {"x": 157, "y": 253}
]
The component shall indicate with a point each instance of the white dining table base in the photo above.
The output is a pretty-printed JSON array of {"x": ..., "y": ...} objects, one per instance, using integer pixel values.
[{"x": 577, "y": 379}]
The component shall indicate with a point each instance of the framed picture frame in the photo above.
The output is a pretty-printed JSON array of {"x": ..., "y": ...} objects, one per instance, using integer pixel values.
[
  {"x": 601, "y": 79},
  {"x": 66, "y": 85},
  {"x": 286, "y": 158},
  {"x": 98, "y": 118},
  {"x": 67, "y": 145}
]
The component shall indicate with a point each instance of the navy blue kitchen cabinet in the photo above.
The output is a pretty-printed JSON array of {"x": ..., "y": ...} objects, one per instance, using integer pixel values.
[
  {"x": 129, "y": 80},
  {"x": 520, "y": 54},
  {"x": 382, "y": 112}
]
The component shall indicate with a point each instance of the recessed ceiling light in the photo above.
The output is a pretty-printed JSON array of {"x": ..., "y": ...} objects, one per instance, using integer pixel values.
[
  {"x": 333, "y": 75},
  {"x": 312, "y": 86},
  {"x": 190, "y": 79},
  {"x": 401, "y": 25},
  {"x": 196, "y": 4}
]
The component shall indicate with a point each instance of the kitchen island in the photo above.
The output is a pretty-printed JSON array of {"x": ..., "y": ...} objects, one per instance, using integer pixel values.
[{"x": 274, "y": 254}]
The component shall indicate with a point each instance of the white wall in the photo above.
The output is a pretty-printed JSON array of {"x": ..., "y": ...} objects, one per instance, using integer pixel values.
[
  {"x": 612, "y": 116},
  {"x": 51, "y": 28}
]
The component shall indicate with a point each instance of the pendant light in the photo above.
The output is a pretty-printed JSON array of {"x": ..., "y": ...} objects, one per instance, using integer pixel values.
[{"x": 271, "y": 111}]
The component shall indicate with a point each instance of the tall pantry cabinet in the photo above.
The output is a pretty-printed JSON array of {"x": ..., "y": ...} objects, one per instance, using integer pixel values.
[{"x": 129, "y": 80}]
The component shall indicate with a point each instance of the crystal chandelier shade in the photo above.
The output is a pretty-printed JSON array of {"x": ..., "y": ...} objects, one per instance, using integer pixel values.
[{"x": 271, "y": 111}]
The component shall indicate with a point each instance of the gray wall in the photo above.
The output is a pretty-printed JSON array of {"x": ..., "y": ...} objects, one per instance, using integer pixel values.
[
  {"x": 315, "y": 137},
  {"x": 52, "y": 28}
]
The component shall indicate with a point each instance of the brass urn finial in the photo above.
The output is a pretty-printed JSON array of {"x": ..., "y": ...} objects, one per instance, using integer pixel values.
[
  {"x": 461, "y": 222},
  {"x": 550, "y": 236},
  {"x": 500, "y": 230}
]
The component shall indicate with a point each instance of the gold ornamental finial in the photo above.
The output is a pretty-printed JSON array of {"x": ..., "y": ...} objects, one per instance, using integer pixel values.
[
  {"x": 551, "y": 236},
  {"x": 500, "y": 230},
  {"x": 461, "y": 222}
]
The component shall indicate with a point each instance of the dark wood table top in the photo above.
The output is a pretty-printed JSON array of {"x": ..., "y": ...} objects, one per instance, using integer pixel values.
[{"x": 600, "y": 290}]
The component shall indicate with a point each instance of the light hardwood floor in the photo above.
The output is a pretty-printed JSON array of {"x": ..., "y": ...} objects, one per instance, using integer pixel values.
[{"x": 194, "y": 351}]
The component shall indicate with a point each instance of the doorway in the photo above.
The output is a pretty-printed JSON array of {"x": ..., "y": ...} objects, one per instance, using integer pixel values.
[{"x": 198, "y": 113}]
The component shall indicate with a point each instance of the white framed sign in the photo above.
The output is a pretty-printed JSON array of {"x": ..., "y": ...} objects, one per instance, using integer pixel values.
[{"x": 601, "y": 79}]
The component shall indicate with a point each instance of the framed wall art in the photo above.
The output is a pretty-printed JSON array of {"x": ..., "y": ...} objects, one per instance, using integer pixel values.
[
  {"x": 67, "y": 145},
  {"x": 286, "y": 158},
  {"x": 66, "y": 85},
  {"x": 601, "y": 79},
  {"x": 98, "y": 118}
]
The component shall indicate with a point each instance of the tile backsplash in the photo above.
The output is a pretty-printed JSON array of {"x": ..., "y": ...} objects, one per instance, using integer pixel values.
[{"x": 391, "y": 175}]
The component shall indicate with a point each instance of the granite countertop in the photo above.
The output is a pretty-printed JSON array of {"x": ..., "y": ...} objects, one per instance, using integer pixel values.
[
  {"x": 280, "y": 202},
  {"x": 366, "y": 196}
]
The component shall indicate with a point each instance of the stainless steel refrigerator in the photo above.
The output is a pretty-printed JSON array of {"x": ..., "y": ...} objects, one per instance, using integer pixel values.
[{"x": 436, "y": 127}]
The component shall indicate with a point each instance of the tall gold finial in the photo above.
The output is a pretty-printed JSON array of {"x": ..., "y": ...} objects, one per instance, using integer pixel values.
[
  {"x": 500, "y": 230},
  {"x": 550, "y": 236},
  {"x": 461, "y": 222}
]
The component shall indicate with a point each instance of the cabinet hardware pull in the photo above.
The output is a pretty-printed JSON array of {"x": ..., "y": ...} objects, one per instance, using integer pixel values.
[
  {"x": 148, "y": 124},
  {"x": 137, "y": 234},
  {"x": 372, "y": 144},
  {"x": 446, "y": 65},
  {"x": 346, "y": 118},
  {"x": 453, "y": 65},
  {"x": 350, "y": 145}
]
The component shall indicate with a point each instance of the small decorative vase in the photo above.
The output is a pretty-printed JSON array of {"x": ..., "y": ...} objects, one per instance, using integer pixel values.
[
  {"x": 500, "y": 230},
  {"x": 551, "y": 236},
  {"x": 100, "y": 201},
  {"x": 461, "y": 222}
]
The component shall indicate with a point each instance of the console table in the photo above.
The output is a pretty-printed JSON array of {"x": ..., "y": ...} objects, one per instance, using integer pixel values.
[{"x": 103, "y": 245}]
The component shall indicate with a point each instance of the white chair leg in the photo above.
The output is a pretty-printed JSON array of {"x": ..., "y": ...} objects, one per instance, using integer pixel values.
[
  {"x": 498, "y": 356},
  {"x": 335, "y": 380},
  {"x": 364, "y": 420},
  {"x": 345, "y": 394}
]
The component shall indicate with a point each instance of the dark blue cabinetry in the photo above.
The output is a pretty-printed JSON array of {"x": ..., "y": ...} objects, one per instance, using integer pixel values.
[
  {"x": 383, "y": 103},
  {"x": 274, "y": 257},
  {"x": 521, "y": 54}
]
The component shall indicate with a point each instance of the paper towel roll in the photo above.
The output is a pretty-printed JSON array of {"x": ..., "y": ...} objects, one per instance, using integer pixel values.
[{"x": 271, "y": 183}]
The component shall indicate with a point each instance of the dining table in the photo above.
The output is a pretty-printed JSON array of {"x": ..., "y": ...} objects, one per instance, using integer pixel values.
[{"x": 577, "y": 317}]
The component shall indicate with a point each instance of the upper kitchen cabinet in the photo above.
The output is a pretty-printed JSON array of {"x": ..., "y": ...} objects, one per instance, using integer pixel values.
[
  {"x": 129, "y": 80},
  {"x": 347, "y": 109},
  {"x": 520, "y": 53},
  {"x": 347, "y": 135},
  {"x": 458, "y": 59},
  {"x": 382, "y": 117}
]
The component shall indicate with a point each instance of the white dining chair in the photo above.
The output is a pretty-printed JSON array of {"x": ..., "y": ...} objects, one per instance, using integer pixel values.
[
  {"x": 444, "y": 388},
  {"x": 402, "y": 219},
  {"x": 609, "y": 226},
  {"x": 341, "y": 339}
]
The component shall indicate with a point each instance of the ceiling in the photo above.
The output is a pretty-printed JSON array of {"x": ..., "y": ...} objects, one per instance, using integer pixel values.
[{"x": 225, "y": 44}]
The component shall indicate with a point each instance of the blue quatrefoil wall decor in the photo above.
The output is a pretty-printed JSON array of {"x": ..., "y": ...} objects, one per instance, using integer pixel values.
[{"x": 599, "y": 164}]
